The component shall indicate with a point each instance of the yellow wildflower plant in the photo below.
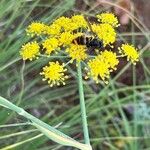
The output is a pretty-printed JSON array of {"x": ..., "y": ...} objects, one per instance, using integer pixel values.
[
  {"x": 50, "y": 45},
  {"x": 54, "y": 73},
  {"x": 130, "y": 51},
  {"x": 36, "y": 28},
  {"x": 72, "y": 37},
  {"x": 108, "y": 18},
  {"x": 30, "y": 51},
  {"x": 74, "y": 41}
]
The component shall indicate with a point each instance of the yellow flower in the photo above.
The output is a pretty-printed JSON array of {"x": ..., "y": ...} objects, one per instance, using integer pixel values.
[
  {"x": 30, "y": 50},
  {"x": 54, "y": 73},
  {"x": 79, "y": 21},
  {"x": 50, "y": 45},
  {"x": 77, "y": 52},
  {"x": 70, "y": 24},
  {"x": 66, "y": 38},
  {"x": 64, "y": 22},
  {"x": 105, "y": 32},
  {"x": 110, "y": 58},
  {"x": 102, "y": 65},
  {"x": 98, "y": 69},
  {"x": 36, "y": 28},
  {"x": 130, "y": 51},
  {"x": 108, "y": 18},
  {"x": 53, "y": 29}
]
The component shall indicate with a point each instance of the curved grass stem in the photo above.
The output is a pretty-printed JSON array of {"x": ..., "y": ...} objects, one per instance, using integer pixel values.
[
  {"x": 82, "y": 105},
  {"x": 49, "y": 131}
]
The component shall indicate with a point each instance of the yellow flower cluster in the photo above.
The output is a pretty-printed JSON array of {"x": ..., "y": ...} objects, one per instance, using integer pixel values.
[
  {"x": 98, "y": 69},
  {"x": 50, "y": 45},
  {"x": 53, "y": 29},
  {"x": 110, "y": 58},
  {"x": 65, "y": 24},
  {"x": 36, "y": 28},
  {"x": 130, "y": 51},
  {"x": 102, "y": 65},
  {"x": 67, "y": 36},
  {"x": 54, "y": 73},
  {"x": 79, "y": 21},
  {"x": 30, "y": 51},
  {"x": 77, "y": 52},
  {"x": 105, "y": 32},
  {"x": 108, "y": 18}
]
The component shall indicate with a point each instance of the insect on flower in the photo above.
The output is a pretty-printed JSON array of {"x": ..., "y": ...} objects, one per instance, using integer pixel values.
[
  {"x": 81, "y": 41},
  {"x": 89, "y": 39}
]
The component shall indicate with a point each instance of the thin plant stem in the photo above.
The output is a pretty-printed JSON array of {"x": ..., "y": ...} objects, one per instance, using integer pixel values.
[
  {"x": 22, "y": 83},
  {"x": 82, "y": 105}
]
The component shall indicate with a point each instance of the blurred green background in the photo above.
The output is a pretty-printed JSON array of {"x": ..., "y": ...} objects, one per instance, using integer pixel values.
[{"x": 118, "y": 113}]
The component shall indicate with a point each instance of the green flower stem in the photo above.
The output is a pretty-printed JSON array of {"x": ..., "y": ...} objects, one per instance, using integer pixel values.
[{"x": 82, "y": 105}]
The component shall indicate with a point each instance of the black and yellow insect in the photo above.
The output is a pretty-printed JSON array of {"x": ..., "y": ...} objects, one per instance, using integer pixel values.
[{"x": 90, "y": 40}]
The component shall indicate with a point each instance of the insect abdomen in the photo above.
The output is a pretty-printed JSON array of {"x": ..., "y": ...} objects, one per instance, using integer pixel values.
[
  {"x": 79, "y": 40},
  {"x": 95, "y": 43}
]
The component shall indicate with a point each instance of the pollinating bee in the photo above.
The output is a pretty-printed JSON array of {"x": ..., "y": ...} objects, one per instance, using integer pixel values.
[{"x": 89, "y": 39}]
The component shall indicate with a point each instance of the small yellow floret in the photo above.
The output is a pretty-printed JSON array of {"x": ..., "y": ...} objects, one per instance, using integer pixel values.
[
  {"x": 108, "y": 18},
  {"x": 30, "y": 51},
  {"x": 36, "y": 28},
  {"x": 53, "y": 29},
  {"x": 98, "y": 69},
  {"x": 79, "y": 21},
  {"x": 77, "y": 52},
  {"x": 50, "y": 44},
  {"x": 54, "y": 73},
  {"x": 102, "y": 65},
  {"x": 64, "y": 22},
  {"x": 105, "y": 32},
  {"x": 110, "y": 58},
  {"x": 66, "y": 38},
  {"x": 130, "y": 51}
]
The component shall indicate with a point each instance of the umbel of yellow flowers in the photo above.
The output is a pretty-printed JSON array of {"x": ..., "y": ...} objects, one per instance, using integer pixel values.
[{"x": 58, "y": 38}]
